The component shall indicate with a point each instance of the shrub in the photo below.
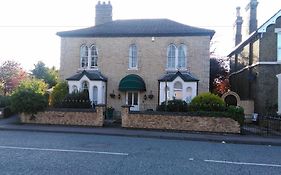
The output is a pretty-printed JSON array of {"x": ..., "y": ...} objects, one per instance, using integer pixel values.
[
  {"x": 30, "y": 97},
  {"x": 59, "y": 92},
  {"x": 5, "y": 101},
  {"x": 236, "y": 113},
  {"x": 207, "y": 102},
  {"x": 173, "y": 106},
  {"x": 7, "y": 112},
  {"x": 76, "y": 100}
]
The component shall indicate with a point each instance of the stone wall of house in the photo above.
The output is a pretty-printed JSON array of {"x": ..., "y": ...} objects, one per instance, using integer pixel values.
[
  {"x": 178, "y": 122},
  {"x": 83, "y": 117},
  {"x": 113, "y": 60}
]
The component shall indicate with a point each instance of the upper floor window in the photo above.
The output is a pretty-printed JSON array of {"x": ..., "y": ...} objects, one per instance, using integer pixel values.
[
  {"x": 279, "y": 46},
  {"x": 133, "y": 57},
  {"x": 176, "y": 57},
  {"x": 182, "y": 56},
  {"x": 94, "y": 56},
  {"x": 171, "y": 56},
  {"x": 84, "y": 56}
]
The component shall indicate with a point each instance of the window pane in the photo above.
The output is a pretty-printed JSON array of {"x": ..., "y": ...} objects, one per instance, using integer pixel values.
[
  {"x": 84, "y": 56},
  {"x": 94, "y": 56},
  {"x": 133, "y": 56},
  {"x": 95, "y": 95},
  {"x": 136, "y": 98},
  {"x": 171, "y": 56},
  {"x": 129, "y": 98},
  {"x": 181, "y": 57},
  {"x": 178, "y": 85},
  {"x": 279, "y": 47}
]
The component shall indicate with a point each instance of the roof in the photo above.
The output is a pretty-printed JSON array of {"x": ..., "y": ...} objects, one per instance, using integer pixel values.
[
  {"x": 91, "y": 75},
  {"x": 139, "y": 28},
  {"x": 254, "y": 35},
  {"x": 171, "y": 76},
  {"x": 132, "y": 82}
]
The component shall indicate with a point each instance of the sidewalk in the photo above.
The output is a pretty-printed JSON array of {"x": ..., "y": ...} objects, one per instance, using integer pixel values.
[{"x": 14, "y": 125}]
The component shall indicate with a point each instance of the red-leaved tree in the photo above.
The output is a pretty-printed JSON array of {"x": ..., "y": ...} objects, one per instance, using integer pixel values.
[{"x": 11, "y": 74}]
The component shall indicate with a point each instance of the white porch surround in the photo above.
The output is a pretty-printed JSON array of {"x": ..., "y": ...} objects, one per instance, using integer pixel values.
[
  {"x": 100, "y": 85},
  {"x": 189, "y": 90},
  {"x": 279, "y": 93}
]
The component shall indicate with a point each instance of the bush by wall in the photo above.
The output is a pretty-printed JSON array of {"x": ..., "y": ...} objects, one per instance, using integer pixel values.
[
  {"x": 173, "y": 106},
  {"x": 5, "y": 101},
  {"x": 30, "y": 97},
  {"x": 59, "y": 92},
  {"x": 207, "y": 102}
]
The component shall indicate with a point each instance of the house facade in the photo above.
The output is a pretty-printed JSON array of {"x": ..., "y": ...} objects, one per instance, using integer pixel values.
[
  {"x": 135, "y": 62},
  {"x": 256, "y": 60}
]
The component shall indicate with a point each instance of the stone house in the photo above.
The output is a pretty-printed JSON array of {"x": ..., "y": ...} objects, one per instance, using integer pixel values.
[
  {"x": 139, "y": 62},
  {"x": 256, "y": 60}
]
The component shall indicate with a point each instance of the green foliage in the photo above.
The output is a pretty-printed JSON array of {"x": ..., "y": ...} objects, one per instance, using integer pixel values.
[
  {"x": 59, "y": 92},
  {"x": 49, "y": 75},
  {"x": 76, "y": 100},
  {"x": 30, "y": 97},
  {"x": 236, "y": 113},
  {"x": 173, "y": 106},
  {"x": 5, "y": 101},
  {"x": 207, "y": 102},
  {"x": 7, "y": 112},
  {"x": 35, "y": 85}
]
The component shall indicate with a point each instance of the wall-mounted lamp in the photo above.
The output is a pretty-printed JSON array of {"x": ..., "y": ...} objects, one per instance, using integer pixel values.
[
  {"x": 150, "y": 96},
  {"x": 153, "y": 39},
  {"x": 144, "y": 97},
  {"x": 112, "y": 95}
]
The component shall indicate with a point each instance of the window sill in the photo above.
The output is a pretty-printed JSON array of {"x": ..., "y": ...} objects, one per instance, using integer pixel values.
[{"x": 133, "y": 69}]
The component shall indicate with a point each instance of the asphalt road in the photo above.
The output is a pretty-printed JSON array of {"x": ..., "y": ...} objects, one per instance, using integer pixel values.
[{"x": 37, "y": 153}]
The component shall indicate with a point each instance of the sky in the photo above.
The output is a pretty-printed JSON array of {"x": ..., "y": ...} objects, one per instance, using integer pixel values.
[{"x": 28, "y": 28}]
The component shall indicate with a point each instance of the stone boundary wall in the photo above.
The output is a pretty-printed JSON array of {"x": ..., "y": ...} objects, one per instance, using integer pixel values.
[
  {"x": 178, "y": 122},
  {"x": 84, "y": 117}
]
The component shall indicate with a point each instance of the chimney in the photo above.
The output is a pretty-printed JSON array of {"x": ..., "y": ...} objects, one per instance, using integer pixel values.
[
  {"x": 251, "y": 10},
  {"x": 103, "y": 13},
  {"x": 238, "y": 27}
]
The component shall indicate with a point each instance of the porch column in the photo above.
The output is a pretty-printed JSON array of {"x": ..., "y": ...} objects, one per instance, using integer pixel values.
[{"x": 279, "y": 93}]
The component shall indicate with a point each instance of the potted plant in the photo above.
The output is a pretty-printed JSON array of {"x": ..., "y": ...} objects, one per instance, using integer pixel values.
[{"x": 109, "y": 112}]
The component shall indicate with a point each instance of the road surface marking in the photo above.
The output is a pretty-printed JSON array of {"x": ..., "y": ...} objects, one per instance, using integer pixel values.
[
  {"x": 243, "y": 163},
  {"x": 64, "y": 150}
]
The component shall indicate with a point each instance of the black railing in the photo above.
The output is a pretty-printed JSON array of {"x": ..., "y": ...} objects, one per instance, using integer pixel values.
[{"x": 264, "y": 125}]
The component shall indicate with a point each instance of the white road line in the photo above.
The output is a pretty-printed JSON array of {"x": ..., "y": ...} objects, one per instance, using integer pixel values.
[
  {"x": 243, "y": 163},
  {"x": 64, "y": 150}
]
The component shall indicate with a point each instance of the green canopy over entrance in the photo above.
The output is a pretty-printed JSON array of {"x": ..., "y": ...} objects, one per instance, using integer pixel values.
[{"x": 132, "y": 82}]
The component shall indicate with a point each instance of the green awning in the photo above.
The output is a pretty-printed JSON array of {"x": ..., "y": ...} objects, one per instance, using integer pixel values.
[{"x": 132, "y": 82}]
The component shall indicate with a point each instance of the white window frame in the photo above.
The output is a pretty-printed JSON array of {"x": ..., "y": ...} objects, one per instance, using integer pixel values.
[
  {"x": 84, "y": 54},
  {"x": 181, "y": 64},
  {"x": 173, "y": 59},
  {"x": 279, "y": 46},
  {"x": 93, "y": 53},
  {"x": 133, "y": 56}
]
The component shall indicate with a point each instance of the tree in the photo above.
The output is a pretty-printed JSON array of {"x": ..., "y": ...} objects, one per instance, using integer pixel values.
[
  {"x": 59, "y": 92},
  {"x": 30, "y": 97},
  {"x": 219, "y": 70},
  {"x": 49, "y": 75},
  {"x": 11, "y": 74}
]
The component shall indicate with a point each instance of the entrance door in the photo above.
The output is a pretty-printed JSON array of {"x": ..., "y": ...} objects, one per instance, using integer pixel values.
[{"x": 133, "y": 100}]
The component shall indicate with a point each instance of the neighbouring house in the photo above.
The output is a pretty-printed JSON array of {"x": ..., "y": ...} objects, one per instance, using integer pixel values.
[
  {"x": 138, "y": 62},
  {"x": 256, "y": 60}
]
